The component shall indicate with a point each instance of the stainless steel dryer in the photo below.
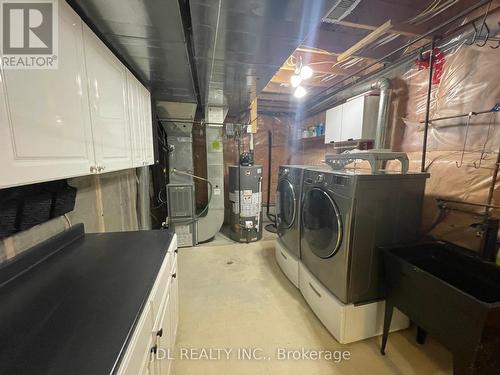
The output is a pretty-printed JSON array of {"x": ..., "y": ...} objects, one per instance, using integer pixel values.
[{"x": 346, "y": 216}]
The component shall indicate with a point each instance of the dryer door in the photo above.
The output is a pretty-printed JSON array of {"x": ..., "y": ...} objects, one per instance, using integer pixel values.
[
  {"x": 321, "y": 223},
  {"x": 285, "y": 204}
]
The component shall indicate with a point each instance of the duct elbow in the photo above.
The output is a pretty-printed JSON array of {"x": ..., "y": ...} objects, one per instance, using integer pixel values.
[{"x": 382, "y": 84}]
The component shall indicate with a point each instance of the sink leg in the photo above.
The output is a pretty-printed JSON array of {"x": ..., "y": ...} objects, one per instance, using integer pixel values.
[
  {"x": 421, "y": 335},
  {"x": 387, "y": 324}
]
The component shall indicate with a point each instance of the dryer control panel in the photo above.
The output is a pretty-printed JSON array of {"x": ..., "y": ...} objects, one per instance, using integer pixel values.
[
  {"x": 332, "y": 181},
  {"x": 293, "y": 175}
]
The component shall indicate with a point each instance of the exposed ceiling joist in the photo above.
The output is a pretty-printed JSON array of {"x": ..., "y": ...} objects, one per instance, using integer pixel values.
[
  {"x": 401, "y": 29},
  {"x": 326, "y": 68},
  {"x": 316, "y": 51},
  {"x": 370, "y": 38}
]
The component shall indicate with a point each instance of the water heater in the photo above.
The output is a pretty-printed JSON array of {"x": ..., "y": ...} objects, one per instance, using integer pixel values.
[{"x": 245, "y": 196}]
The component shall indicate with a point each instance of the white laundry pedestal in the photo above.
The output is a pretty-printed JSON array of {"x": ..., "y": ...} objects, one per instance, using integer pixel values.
[{"x": 347, "y": 323}]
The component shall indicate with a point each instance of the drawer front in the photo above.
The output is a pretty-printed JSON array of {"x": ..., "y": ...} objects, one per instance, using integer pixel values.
[
  {"x": 347, "y": 323},
  {"x": 174, "y": 312},
  {"x": 166, "y": 325},
  {"x": 155, "y": 325},
  {"x": 164, "y": 341},
  {"x": 164, "y": 276},
  {"x": 139, "y": 347},
  {"x": 323, "y": 303},
  {"x": 287, "y": 262},
  {"x": 148, "y": 365}
]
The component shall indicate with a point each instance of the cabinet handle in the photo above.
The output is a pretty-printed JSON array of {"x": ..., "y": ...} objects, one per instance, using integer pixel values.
[
  {"x": 93, "y": 169},
  {"x": 315, "y": 291},
  {"x": 100, "y": 168},
  {"x": 154, "y": 349},
  {"x": 176, "y": 251},
  {"x": 174, "y": 275},
  {"x": 159, "y": 333}
]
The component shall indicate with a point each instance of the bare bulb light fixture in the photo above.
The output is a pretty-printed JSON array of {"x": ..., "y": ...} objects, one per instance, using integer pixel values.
[
  {"x": 306, "y": 72},
  {"x": 302, "y": 73},
  {"x": 300, "y": 92},
  {"x": 295, "y": 80}
]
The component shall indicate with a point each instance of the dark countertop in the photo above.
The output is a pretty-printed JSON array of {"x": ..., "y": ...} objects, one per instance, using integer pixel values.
[{"x": 74, "y": 311}]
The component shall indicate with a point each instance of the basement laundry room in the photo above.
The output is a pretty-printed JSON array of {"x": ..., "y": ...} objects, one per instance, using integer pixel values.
[{"x": 205, "y": 187}]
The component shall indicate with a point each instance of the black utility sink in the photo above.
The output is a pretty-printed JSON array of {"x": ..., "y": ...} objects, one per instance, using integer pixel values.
[{"x": 450, "y": 293}]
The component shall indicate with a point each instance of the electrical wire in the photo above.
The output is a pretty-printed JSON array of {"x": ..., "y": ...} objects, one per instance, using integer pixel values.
[
  {"x": 435, "y": 8},
  {"x": 162, "y": 202}
]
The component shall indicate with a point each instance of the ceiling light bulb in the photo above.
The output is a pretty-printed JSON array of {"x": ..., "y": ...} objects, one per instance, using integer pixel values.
[
  {"x": 295, "y": 80},
  {"x": 306, "y": 72},
  {"x": 300, "y": 92}
]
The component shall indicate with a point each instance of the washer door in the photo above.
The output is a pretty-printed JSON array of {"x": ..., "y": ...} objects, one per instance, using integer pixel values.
[
  {"x": 286, "y": 202},
  {"x": 321, "y": 223}
]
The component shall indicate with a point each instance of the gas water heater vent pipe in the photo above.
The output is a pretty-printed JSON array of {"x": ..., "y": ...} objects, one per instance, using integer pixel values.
[{"x": 384, "y": 85}]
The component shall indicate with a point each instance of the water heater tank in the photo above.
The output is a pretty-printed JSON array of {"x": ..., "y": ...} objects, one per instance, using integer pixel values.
[{"x": 245, "y": 196}]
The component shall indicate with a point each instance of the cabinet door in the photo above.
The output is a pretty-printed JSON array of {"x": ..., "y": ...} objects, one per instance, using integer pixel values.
[
  {"x": 168, "y": 320},
  {"x": 148, "y": 127},
  {"x": 333, "y": 125},
  {"x": 164, "y": 341},
  {"x": 135, "y": 121},
  {"x": 352, "y": 119},
  {"x": 174, "y": 312},
  {"x": 107, "y": 80},
  {"x": 45, "y": 131}
]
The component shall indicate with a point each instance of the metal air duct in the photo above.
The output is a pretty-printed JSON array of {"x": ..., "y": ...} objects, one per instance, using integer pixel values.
[{"x": 210, "y": 224}]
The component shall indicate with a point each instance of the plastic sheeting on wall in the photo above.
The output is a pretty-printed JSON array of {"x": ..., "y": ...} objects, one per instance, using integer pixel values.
[{"x": 469, "y": 83}]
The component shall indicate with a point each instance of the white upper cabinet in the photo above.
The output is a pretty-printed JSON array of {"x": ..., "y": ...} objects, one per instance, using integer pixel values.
[
  {"x": 136, "y": 127},
  {"x": 139, "y": 109},
  {"x": 90, "y": 115},
  {"x": 107, "y": 82},
  {"x": 333, "y": 126},
  {"x": 354, "y": 120},
  {"x": 148, "y": 127},
  {"x": 45, "y": 131}
]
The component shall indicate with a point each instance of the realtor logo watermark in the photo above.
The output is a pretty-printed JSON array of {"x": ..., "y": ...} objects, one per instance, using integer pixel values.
[{"x": 29, "y": 34}]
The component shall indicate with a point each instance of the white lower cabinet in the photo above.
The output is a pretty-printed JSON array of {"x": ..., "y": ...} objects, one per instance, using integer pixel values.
[{"x": 152, "y": 343}]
